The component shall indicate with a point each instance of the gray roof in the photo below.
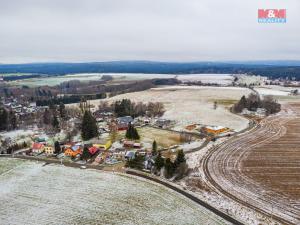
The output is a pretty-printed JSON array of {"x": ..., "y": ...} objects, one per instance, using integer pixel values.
[{"x": 125, "y": 119}]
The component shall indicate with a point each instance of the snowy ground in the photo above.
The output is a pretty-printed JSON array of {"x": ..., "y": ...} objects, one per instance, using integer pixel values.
[
  {"x": 17, "y": 134},
  {"x": 270, "y": 91},
  {"x": 248, "y": 79},
  {"x": 35, "y": 194},
  {"x": 222, "y": 79},
  {"x": 192, "y": 104}
]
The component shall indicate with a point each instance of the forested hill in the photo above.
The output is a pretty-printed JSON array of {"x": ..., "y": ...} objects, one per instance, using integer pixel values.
[{"x": 265, "y": 68}]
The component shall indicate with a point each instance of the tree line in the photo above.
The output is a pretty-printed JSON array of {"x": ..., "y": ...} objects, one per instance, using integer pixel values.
[
  {"x": 126, "y": 107},
  {"x": 69, "y": 99},
  {"x": 8, "y": 119},
  {"x": 253, "y": 102}
]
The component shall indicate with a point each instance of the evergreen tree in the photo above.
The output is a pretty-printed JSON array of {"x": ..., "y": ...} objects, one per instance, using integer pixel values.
[
  {"x": 180, "y": 158},
  {"x": 47, "y": 117},
  {"x": 13, "y": 120},
  {"x": 136, "y": 136},
  {"x": 154, "y": 148},
  {"x": 55, "y": 122},
  {"x": 57, "y": 148},
  {"x": 159, "y": 161},
  {"x": 124, "y": 107},
  {"x": 3, "y": 119},
  {"x": 132, "y": 133},
  {"x": 129, "y": 132},
  {"x": 85, "y": 154},
  {"x": 169, "y": 168},
  {"x": 89, "y": 127},
  {"x": 62, "y": 110}
]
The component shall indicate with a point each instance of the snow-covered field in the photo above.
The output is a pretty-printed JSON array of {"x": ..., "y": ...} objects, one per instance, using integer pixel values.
[
  {"x": 192, "y": 104},
  {"x": 268, "y": 91},
  {"x": 31, "y": 193},
  {"x": 222, "y": 79},
  {"x": 248, "y": 79}
]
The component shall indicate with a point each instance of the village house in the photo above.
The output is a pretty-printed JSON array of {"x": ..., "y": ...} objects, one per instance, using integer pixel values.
[
  {"x": 131, "y": 144},
  {"x": 129, "y": 155},
  {"x": 163, "y": 123},
  {"x": 93, "y": 150},
  {"x": 104, "y": 146},
  {"x": 73, "y": 151},
  {"x": 215, "y": 130},
  {"x": 149, "y": 162},
  {"x": 123, "y": 122},
  {"x": 38, "y": 148},
  {"x": 49, "y": 150},
  {"x": 128, "y": 144}
]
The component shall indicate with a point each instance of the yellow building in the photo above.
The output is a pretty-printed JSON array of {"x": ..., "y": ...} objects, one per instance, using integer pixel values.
[
  {"x": 49, "y": 150},
  {"x": 215, "y": 129},
  {"x": 105, "y": 146}
]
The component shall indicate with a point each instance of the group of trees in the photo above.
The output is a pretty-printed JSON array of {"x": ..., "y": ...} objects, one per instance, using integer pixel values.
[
  {"x": 175, "y": 169},
  {"x": 125, "y": 107},
  {"x": 12, "y": 148},
  {"x": 89, "y": 128},
  {"x": 69, "y": 99},
  {"x": 178, "y": 167},
  {"x": 253, "y": 101},
  {"x": 8, "y": 120},
  {"x": 132, "y": 133},
  {"x": 54, "y": 115},
  {"x": 170, "y": 169}
]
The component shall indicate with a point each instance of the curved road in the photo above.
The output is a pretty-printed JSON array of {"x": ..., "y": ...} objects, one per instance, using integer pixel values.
[{"x": 224, "y": 173}]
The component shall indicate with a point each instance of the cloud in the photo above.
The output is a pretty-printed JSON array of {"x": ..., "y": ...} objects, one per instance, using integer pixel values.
[{"x": 165, "y": 30}]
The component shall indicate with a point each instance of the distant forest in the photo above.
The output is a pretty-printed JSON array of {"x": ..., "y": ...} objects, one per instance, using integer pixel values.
[{"x": 52, "y": 69}]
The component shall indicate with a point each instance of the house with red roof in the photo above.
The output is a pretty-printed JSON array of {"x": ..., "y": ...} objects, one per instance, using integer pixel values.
[
  {"x": 38, "y": 148},
  {"x": 93, "y": 150}
]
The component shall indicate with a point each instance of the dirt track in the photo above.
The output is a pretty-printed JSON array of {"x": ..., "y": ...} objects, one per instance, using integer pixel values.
[{"x": 261, "y": 168}]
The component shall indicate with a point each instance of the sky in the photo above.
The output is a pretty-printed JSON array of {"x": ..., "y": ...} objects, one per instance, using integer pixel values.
[{"x": 157, "y": 30}]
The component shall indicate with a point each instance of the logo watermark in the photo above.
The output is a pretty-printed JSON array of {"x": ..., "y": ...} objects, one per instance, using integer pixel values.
[{"x": 272, "y": 15}]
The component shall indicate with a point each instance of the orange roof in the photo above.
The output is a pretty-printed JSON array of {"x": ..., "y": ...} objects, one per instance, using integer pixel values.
[{"x": 37, "y": 146}]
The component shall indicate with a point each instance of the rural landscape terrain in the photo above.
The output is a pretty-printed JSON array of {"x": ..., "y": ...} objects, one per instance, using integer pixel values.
[{"x": 133, "y": 148}]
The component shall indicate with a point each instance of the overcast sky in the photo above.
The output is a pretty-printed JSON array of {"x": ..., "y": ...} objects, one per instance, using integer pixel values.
[{"x": 159, "y": 30}]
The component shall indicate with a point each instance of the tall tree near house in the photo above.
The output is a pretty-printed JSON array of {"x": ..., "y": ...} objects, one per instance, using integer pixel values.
[
  {"x": 62, "y": 110},
  {"x": 169, "y": 168},
  {"x": 86, "y": 154},
  {"x": 159, "y": 162},
  {"x": 47, "y": 117},
  {"x": 55, "y": 122},
  {"x": 3, "y": 119},
  {"x": 136, "y": 135},
  {"x": 154, "y": 148},
  {"x": 129, "y": 132},
  {"x": 13, "y": 120},
  {"x": 89, "y": 127},
  {"x": 57, "y": 148},
  {"x": 180, "y": 158},
  {"x": 132, "y": 133},
  {"x": 113, "y": 131},
  {"x": 181, "y": 167}
]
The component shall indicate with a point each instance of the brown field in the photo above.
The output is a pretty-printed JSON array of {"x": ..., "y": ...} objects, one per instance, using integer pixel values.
[
  {"x": 260, "y": 169},
  {"x": 276, "y": 165}
]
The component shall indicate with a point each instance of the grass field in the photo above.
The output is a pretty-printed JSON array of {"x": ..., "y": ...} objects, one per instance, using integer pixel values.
[
  {"x": 36, "y": 194},
  {"x": 163, "y": 138}
]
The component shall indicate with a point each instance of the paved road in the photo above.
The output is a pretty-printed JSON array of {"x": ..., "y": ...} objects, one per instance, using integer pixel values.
[{"x": 223, "y": 170}]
